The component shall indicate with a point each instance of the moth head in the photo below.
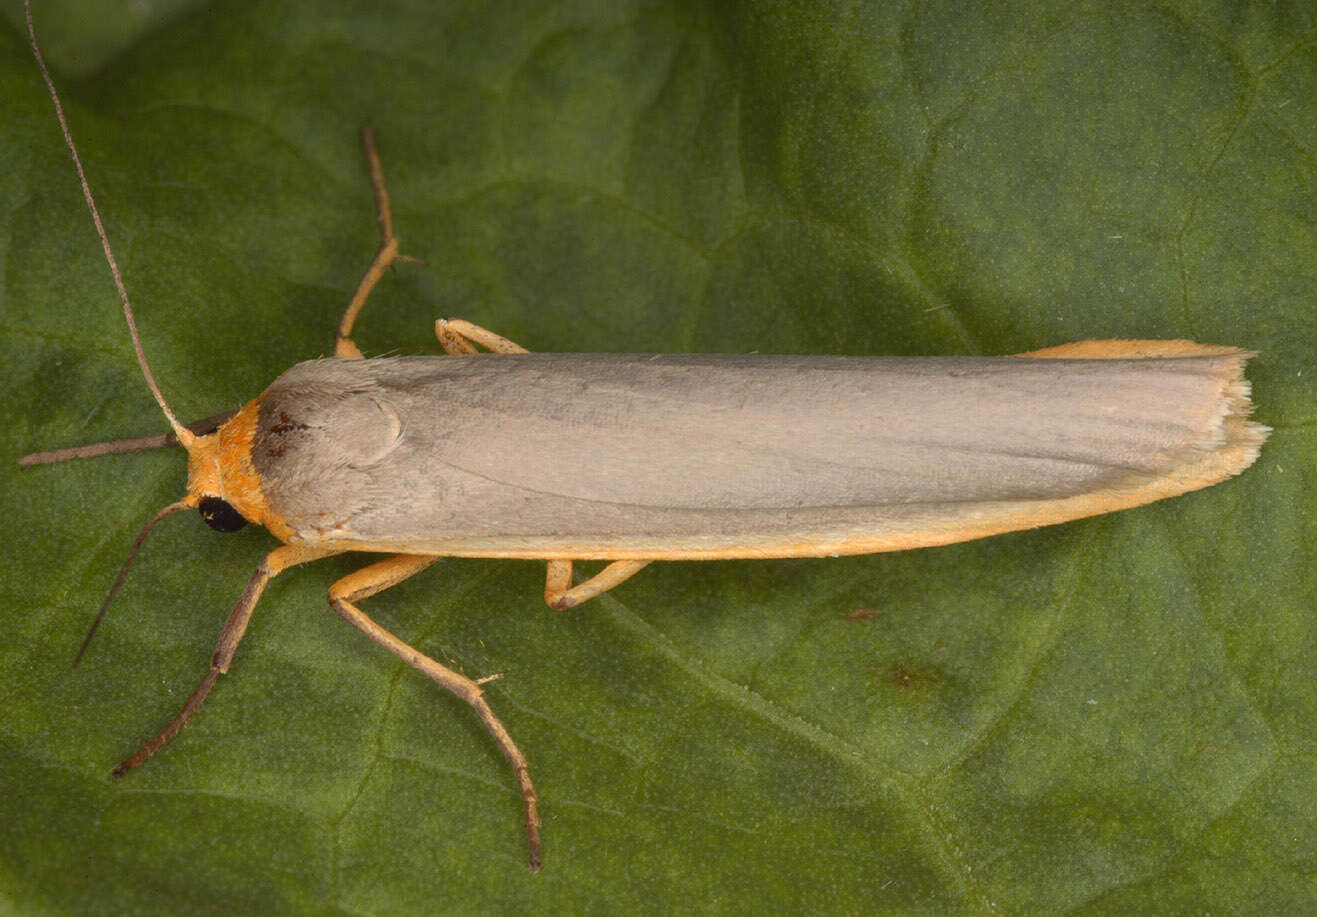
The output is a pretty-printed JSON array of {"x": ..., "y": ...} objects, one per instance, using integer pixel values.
[{"x": 222, "y": 483}]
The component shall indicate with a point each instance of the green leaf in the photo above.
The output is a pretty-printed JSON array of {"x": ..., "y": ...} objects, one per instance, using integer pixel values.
[{"x": 1114, "y": 715}]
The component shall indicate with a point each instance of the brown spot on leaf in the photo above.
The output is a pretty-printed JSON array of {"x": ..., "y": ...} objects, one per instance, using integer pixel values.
[
  {"x": 863, "y": 614},
  {"x": 910, "y": 677}
]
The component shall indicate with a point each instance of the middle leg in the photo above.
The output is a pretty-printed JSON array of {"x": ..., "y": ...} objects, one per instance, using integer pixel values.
[
  {"x": 389, "y": 572},
  {"x": 459, "y": 336},
  {"x": 560, "y": 593}
]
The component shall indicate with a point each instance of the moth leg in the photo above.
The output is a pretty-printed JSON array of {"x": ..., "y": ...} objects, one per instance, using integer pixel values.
[
  {"x": 380, "y": 576},
  {"x": 459, "y": 336},
  {"x": 384, "y": 258},
  {"x": 560, "y": 593},
  {"x": 277, "y": 561}
]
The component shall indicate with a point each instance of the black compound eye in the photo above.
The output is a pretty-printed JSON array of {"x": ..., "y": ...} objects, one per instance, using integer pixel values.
[{"x": 219, "y": 515}]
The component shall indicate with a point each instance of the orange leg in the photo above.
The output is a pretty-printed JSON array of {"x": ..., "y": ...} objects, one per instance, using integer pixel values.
[
  {"x": 380, "y": 576},
  {"x": 277, "y": 561},
  {"x": 384, "y": 258},
  {"x": 560, "y": 593},
  {"x": 459, "y": 336}
]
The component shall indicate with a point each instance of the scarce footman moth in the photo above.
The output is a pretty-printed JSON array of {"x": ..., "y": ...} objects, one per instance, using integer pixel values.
[{"x": 635, "y": 458}]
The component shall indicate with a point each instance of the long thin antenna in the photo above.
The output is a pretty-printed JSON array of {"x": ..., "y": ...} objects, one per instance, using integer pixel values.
[
  {"x": 185, "y": 437},
  {"x": 119, "y": 446},
  {"x": 123, "y": 574}
]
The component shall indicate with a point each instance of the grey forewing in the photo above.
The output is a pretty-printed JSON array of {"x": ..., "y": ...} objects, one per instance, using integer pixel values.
[{"x": 603, "y": 444}]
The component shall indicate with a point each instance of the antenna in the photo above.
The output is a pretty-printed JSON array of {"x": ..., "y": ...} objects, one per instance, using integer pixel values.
[
  {"x": 184, "y": 435},
  {"x": 123, "y": 574}
]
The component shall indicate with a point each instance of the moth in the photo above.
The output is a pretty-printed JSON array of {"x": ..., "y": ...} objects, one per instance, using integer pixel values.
[{"x": 492, "y": 451}]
